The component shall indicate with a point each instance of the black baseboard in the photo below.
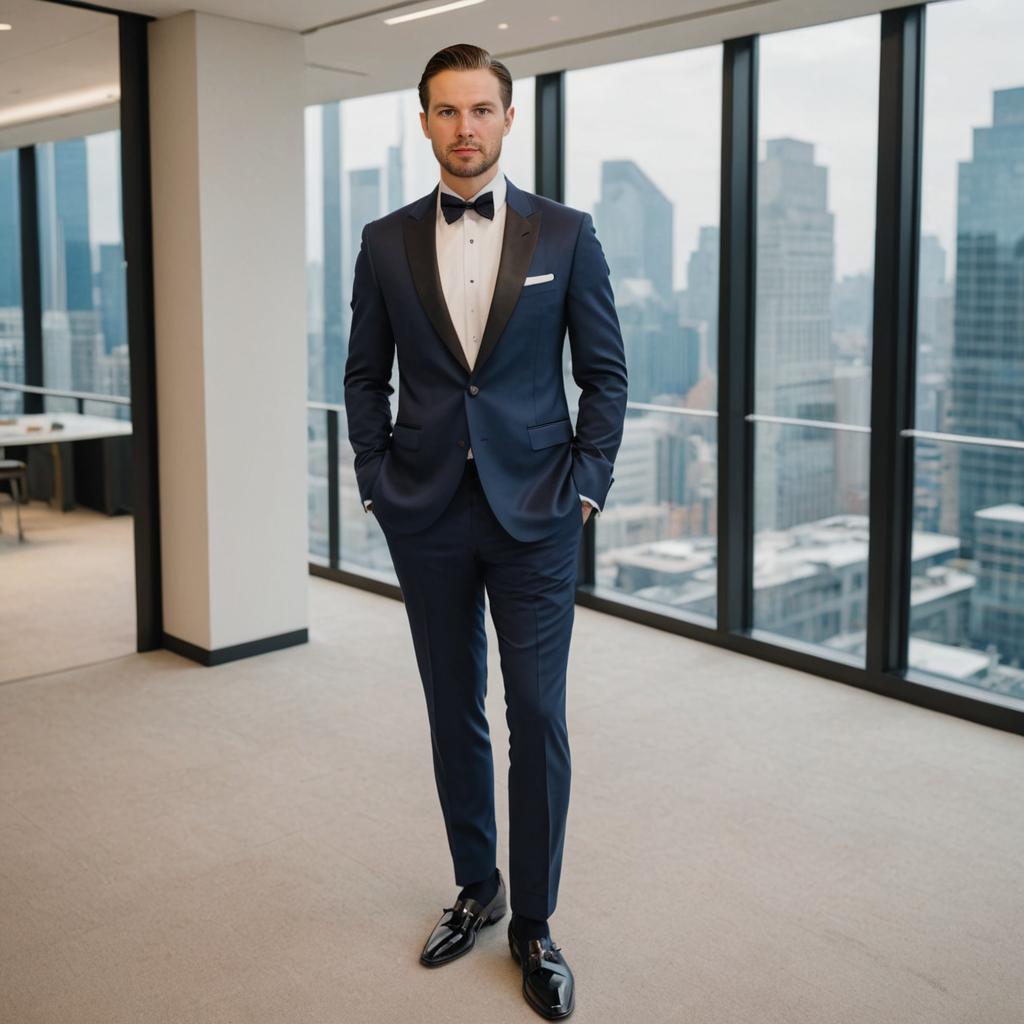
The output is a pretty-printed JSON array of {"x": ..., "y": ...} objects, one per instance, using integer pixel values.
[
  {"x": 226, "y": 654},
  {"x": 363, "y": 580}
]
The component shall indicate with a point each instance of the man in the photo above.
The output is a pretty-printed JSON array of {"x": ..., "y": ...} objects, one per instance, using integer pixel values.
[{"x": 482, "y": 485}]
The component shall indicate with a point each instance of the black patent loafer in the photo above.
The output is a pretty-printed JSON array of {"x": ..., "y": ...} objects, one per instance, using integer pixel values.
[
  {"x": 548, "y": 984},
  {"x": 455, "y": 934}
]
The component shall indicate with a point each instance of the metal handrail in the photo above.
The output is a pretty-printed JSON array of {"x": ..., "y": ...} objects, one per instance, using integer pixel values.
[
  {"x": 993, "y": 442},
  {"x": 675, "y": 410},
  {"x": 82, "y": 396},
  {"x": 926, "y": 435},
  {"x": 853, "y": 428}
]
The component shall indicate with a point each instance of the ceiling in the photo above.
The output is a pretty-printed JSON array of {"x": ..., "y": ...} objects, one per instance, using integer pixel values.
[
  {"x": 56, "y": 63},
  {"x": 68, "y": 55}
]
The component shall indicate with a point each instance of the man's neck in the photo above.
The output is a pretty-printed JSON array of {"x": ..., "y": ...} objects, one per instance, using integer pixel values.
[{"x": 465, "y": 188}]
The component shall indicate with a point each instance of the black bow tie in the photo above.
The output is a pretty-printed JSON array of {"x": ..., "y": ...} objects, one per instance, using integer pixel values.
[{"x": 453, "y": 207}]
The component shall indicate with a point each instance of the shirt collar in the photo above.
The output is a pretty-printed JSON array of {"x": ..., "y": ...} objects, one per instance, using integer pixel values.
[{"x": 495, "y": 185}]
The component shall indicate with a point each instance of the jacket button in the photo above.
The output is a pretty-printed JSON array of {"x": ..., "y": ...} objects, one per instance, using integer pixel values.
[
  {"x": 473, "y": 389},
  {"x": 461, "y": 443}
]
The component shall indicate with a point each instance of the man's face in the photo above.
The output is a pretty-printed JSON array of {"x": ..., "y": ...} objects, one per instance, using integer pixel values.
[{"x": 465, "y": 121}]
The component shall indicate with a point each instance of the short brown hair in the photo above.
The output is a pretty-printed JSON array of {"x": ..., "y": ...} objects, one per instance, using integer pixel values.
[{"x": 465, "y": 57}]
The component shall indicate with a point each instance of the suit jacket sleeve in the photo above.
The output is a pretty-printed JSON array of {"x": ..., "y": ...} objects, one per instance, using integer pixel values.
[
  {"x": 371, "y": 353},
  {"x": 598, "y": 366}
]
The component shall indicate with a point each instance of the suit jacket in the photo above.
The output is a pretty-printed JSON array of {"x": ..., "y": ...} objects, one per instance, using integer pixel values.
[{"x": 511, "y": 407}]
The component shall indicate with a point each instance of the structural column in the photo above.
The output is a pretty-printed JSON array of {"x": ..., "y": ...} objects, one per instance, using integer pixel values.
[{"x": 226, "y": 130}]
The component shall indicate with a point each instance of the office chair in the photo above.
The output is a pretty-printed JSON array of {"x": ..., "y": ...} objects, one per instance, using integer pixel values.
[{"x": 16, "y": 472}]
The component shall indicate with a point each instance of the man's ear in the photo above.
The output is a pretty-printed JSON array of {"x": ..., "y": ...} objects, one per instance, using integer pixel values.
[
  {"x": 509, "y": 116},
  {"x": 423, "y": 124}
]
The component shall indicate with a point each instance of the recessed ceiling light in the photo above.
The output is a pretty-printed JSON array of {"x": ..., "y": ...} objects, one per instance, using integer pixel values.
[
  {"x": 502, "y": 24},
  {"x": 4, "y": 27},
  {"x": 427, "y": 12},
  {"x": 554, "y": 17}
]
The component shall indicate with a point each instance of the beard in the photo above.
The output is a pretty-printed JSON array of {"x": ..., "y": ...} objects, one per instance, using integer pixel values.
[{"x": 483, "y": 161}]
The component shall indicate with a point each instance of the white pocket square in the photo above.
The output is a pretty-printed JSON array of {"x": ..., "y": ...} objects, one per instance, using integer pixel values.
[{"x": 538, "y": 279}]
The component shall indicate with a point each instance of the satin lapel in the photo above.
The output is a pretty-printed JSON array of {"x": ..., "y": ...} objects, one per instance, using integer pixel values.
[
  {"x": 421, "y": 251},
  {"x": 517, "y": 245}
]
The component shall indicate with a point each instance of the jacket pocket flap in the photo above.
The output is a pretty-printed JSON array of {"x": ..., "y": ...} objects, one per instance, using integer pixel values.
[
  {"x": 543, "y": 435},
  {"x": 406, "y": 436}
]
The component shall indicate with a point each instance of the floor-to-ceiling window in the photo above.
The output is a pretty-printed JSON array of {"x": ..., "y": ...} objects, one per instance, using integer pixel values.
[
  {"x": 967, "y": 588},
  {"x": 642, "y": 152},
  {"x": 643, "y": 156},
  {"x": 82, "y": 271},
  {"x": 364, "y": 157},
  {"x": 12, "y": 335},
  {"x": 817, "y": 139}
]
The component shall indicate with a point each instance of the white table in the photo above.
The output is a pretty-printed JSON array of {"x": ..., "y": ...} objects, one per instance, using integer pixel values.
[{"x": 38, "y": 428}]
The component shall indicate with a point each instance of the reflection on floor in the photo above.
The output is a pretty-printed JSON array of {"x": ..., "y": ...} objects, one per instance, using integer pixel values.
[
  {"x": 262, "y": 842},
  {"x": 67, "y": 594}
]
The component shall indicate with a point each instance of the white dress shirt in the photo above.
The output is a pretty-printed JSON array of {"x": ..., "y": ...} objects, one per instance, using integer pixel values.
[{"x": 468, "y": 254}]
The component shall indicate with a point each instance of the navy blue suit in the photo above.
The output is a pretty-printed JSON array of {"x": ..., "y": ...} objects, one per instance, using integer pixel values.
[{"x": 506, "y": 522}]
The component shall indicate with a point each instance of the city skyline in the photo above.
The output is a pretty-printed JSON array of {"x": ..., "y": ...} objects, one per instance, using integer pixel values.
[
  {"x": 656, "y": 536},
  {"x": 812, "y": 361}
]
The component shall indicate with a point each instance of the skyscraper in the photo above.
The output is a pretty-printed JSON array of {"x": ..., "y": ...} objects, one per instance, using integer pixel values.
[
  {"x": 64, "y": 225},
  {"x": 12, "y": 345},
  {"x": 933, "y": 491},
  {"x": 796, "y": 475},
  {"x": 71, "y": 324},
  {"x": 113, "y": 299},
  {"x": 10, "y": 232},
  {"x": 933, "y": 295},
  {"x": 335, "y": 288},
  {"x": 396, "y": 185},
  {"x": 997, "y": 602},
  {"x": 634, "y": 220},
  {"x": 702, "y": 289},
  {"x": 988, "y": 333},
  {"x": 364, "y": 203}
]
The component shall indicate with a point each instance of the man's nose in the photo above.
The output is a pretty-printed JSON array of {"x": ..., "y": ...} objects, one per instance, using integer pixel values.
[{"x": 465, "y": 126}]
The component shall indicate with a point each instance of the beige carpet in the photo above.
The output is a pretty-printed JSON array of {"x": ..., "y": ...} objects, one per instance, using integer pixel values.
[
  {"x": 262, "y": 842},
  {"x": 67, "y": 592}
]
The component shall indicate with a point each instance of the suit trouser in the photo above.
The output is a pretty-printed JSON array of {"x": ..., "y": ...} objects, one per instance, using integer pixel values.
[{"x": 443, "y": 572}]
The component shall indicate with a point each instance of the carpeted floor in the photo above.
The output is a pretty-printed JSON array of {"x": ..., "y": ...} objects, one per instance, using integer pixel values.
[
  {"x": 67, "y": 592},
  {"x": 262, "y": 841}
]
